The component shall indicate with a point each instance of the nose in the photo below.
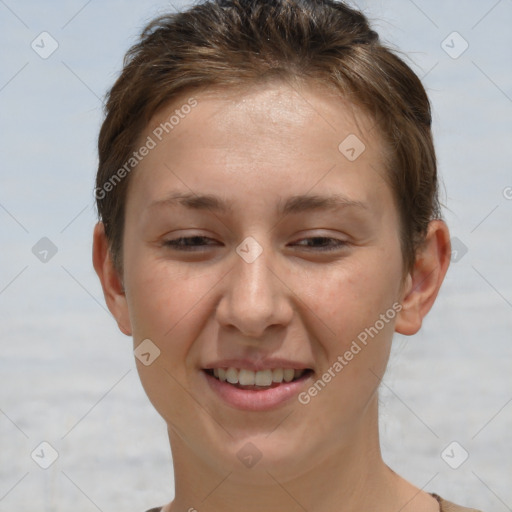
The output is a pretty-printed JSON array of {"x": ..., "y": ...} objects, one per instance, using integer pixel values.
[{"x": 255, "y": 297}]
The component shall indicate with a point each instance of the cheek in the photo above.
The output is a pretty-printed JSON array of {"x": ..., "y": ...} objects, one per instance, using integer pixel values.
[
  {"x": 358, "y": 302},
  {"x": 162, "y": 299},
  {"x": 353, "y": 297},
  {"x": 168, "y": 306},
  {"x": 358, "y": 306}
]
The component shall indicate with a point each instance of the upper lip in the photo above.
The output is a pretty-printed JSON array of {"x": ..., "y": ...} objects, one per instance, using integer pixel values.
[{"x": 256, "y": 365}]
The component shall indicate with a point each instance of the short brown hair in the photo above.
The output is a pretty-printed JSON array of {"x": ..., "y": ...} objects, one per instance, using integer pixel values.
[{"x": 239, "y": 43}]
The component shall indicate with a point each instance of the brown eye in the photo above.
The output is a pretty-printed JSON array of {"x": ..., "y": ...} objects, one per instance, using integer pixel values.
[
  {"x": 323, "y": 243},
  {"x": 189, "y": 243}
]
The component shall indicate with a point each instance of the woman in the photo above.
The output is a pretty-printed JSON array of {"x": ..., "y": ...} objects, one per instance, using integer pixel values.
[{"x": 267, "y": 194}]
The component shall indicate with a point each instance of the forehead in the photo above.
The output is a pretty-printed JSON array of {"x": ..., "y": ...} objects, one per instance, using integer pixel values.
[
  {"x": 270, "y": 109},
  {"x": 285, "y": 135}
]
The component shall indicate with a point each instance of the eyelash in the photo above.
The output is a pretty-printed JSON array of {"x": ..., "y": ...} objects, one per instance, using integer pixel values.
[{"x": 177, "y": 243}]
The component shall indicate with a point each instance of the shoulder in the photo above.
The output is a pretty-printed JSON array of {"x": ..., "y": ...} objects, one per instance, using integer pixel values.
[
  {"x": 448, "y": 506},
  {"x": 157, "y": 509}
]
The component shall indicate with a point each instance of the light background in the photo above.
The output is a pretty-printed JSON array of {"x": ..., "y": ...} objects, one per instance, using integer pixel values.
[{"x": 68, "y": 375}]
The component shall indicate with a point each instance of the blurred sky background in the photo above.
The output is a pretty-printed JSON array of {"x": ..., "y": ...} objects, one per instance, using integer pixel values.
[{"x": 68, "y": 375}]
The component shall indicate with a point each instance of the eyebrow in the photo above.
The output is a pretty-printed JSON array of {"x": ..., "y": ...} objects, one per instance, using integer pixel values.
[
  {"x": 305, "y": 202},
  {"x": 294, "y": 204},
  {"x": 193, "y": 202}
]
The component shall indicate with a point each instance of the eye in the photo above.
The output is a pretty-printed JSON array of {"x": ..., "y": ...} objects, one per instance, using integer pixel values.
[
  {"x": 189, "y": 243},
  {"x": 193, "y": 243},
  {"x": 324, "y": 243}
]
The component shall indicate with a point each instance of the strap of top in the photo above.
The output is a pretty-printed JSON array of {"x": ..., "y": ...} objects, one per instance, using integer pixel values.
[
  {"x": 444, "y": 506},
  {"x": 448, "y": 506}
]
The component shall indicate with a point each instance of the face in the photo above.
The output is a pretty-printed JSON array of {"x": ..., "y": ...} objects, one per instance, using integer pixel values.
[{"x": 259, "y": 250}]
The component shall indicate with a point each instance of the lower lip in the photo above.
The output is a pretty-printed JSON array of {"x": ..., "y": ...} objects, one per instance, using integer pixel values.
[{"x": 260, "y": 399}]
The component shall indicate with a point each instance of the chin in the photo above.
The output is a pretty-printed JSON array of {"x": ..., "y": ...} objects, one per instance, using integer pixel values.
[{"x": 254, "y": 458}]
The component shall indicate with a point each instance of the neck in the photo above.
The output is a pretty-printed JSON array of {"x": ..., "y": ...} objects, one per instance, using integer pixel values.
[{"x": 351, "y": 477}]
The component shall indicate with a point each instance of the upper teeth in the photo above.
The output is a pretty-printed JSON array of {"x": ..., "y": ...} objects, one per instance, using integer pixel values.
[{"x": 260, "y": 378}]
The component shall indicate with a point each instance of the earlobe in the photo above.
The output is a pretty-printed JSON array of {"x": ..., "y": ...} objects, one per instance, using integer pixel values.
[
  {"x": 111, "y": 282},
  {"x": 424, "y": 281}
]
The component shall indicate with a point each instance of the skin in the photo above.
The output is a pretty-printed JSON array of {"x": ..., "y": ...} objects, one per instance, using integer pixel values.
[{"x": 257, "y": 148}]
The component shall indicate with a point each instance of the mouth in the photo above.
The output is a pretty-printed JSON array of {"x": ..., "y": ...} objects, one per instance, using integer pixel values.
[
  {"x": 243, "y": 378},
  {"x": 241, "y": 388}
]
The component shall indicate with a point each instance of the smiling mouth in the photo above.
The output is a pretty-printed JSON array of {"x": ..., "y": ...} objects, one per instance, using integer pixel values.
[{"x": 262, "y": 379}]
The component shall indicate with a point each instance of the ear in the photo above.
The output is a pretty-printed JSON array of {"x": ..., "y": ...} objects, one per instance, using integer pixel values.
[
  {"x": 424, "y": 281},
  {"x": 111, "y": 282}
]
